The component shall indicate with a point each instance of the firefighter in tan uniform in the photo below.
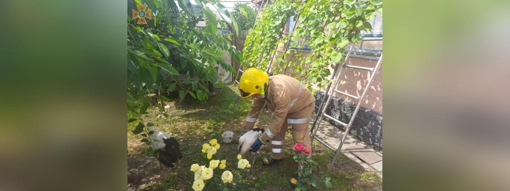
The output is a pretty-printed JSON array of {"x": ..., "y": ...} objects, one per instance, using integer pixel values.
[{"x": 291, "y": 102}]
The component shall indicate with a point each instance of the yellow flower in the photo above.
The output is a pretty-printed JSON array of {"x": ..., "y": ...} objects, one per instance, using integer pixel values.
[
  {"x": 248, "y": 165},
  {"x": 227, "y": 177},
  {"x": 223, "y": 166},
  {"x": 217, "y": 146},
  {"x": 213, "y": 142},
  {"x": 223, "y": 162},
  {"x": 214, "y": 164},
  {"x": 209, "y": 156},
  {"x": 198, "y": 173},
  {"x": 203, "y": 150},
  {"x": 239, "y": 156},
  {"x": 198, "y": 185},
  {"x": 211, "y": 151},
  {"x": 242, "y": 163},
  {"x": 207, "y": 173},
  {"x": 194, "y": 167},
  {"x": 206, "y": 146}
]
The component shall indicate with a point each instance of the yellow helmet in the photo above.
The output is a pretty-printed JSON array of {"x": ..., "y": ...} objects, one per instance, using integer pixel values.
[{"x": 252, "y": 82}]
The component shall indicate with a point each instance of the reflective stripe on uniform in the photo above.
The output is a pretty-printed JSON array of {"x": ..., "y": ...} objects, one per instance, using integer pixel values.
[
  {"x": 276, "y": 142},
  {"x": 295, "y": 99},
  {"x": 251, "y": 119},
  {"x": 268, "y": 132},
  {"x": 297, "y": 121},
  {"x": 277, "y": 150}
]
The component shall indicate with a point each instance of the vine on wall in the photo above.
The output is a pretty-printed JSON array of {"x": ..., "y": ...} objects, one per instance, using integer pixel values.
[{"x": 327, "y": 26}]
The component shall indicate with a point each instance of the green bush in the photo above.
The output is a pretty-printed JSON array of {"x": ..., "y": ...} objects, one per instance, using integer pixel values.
[{"x": 171, "y": 54}]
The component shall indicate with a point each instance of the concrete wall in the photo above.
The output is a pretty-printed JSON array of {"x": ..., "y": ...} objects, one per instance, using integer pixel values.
[{"x": 367, "y": 125}]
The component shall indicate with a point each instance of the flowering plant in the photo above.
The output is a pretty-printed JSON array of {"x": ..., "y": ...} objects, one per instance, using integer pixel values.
[
  {"x": 204, "y": 176},
  {"x": 307, "y": 179}
]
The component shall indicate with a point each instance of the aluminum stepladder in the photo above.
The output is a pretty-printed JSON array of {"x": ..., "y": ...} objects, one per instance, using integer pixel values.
[{"x": 330, "y": 92}]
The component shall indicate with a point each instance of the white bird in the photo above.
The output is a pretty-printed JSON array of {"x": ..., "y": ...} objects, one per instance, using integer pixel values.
[{"x": 248, "y": 139}]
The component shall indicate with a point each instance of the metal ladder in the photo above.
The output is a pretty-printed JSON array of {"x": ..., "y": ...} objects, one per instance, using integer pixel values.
[{"x": 330, "y": 93}]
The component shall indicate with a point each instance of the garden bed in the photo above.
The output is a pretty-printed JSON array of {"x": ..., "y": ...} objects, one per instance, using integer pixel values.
[{"x": 195, "y": 123}]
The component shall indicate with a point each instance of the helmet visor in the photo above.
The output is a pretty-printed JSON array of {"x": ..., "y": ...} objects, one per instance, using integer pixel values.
[{"x": 244, "y": 94}]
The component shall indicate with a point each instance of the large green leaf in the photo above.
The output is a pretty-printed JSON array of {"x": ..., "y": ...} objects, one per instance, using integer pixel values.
[
  {"x": 134, "y": 34},
  {"x": 167, "y": 67},
  {"x": 337, "y": 57},
  {"x": 143, "y": 109},
  {"x": 146, "y": 75},
  {"x": 328, "y": 182},
  {"x": 140, "y": 54},
  {"x": 235, "y": 25},
  {"x": 132, "y": 63},
  {"x": 173, "y": 41},
  {"x": 138, "y": 129},
  {"x": 164, "y": 49},
  {"x": 172, "y": 87},
  {"x": 156, "y": 36},
  {"x": 182, "y": 94},
  {"x": 367, "y": 26},
  {"x": 247, "y": 9},
  {"x": 212, "y": 23},
  {"x": 154, "y": 73},
  {"x": 342, "y": 43},
  {"x": 192, "y": 94},
  {"x": 224, "y": 11},
  {"x": 163, "y": 98},
  {"x": 243, "y": 12}
]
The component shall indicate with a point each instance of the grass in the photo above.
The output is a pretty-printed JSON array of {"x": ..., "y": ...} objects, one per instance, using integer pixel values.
[{"x": 195, "y": 123}]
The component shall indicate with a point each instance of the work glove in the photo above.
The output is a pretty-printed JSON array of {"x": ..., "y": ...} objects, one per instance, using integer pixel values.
[{"x": 256, "y": 146}]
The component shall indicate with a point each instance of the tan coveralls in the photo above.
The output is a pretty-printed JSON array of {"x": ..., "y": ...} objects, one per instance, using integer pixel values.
[{"x": 292, "y": 104}]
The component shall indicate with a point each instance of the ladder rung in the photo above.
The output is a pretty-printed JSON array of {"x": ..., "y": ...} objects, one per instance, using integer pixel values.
[
  {"x": 345, "y": 93},
  {"x": 359, "y": 67},
  {"x": 325, "y": 143},
  {"x": 372, "y": 38},
  {"x": 336, "y": 120}
]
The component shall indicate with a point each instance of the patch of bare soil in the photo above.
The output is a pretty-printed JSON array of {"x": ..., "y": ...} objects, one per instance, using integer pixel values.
[{"x": 142, "y": 170}]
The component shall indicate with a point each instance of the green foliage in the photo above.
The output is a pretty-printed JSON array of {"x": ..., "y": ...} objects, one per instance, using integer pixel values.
[
  {"x": 261, "y": 42},
  {"x": 245, "y": 16},
  {"x": 309, "y": 178},
  {"x": 326, "y": 26},
  {"x": 170, "y": 54}
]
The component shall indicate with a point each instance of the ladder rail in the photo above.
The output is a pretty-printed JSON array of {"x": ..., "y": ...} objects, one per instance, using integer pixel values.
[
  {"x": 321, "y": 105},
  {"x": 314, "y": 130},
  {"x": 351, "y": 121}
]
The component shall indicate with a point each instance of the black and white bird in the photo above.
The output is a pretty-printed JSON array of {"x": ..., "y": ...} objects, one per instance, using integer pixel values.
[{"x": 166, "y": 147}]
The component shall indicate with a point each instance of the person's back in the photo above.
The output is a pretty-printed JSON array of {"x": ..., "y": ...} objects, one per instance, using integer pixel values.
[{"x": 294, "y": 95}]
